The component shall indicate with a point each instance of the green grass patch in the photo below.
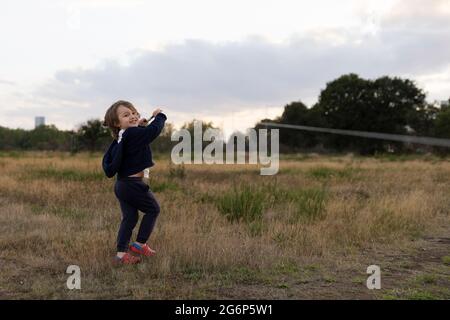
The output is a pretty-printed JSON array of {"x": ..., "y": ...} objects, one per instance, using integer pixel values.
[
  {"x": 248, "y": 203},
  {"x": 12, "y": 154},
  {"x": 286, "y": 268},
  {"x": 64, "y": 174},
  {"x": 309, "y": 203},
  {"x": 421, "y": 295},
  {"x": 62, "y": 212},
  {"x": 160, "y": 186},
  {"x": 256, "y": 228},
  {"x": 329, "y": 279},
  {"x": 387, "y": 223},
  {"x": 327, "y": 173},
  {"x": 426, "y": 279},
  {"x": 193, "y": 273},
  {"x": 359, "y": 280},
  {"x": 242, "y": 203},
  {"x": 248, "y": 276},
  {"x": 312, "y": 268},
  {"x": 446, "y": 260}
]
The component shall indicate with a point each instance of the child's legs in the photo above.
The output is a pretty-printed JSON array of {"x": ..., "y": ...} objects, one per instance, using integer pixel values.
[
  {"x": 129, "y": 219},
  {"x": 150, "y": 207}
]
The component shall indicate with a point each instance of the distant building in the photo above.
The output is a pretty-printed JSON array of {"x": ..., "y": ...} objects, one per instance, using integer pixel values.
[{"x": 39, "y": 121}]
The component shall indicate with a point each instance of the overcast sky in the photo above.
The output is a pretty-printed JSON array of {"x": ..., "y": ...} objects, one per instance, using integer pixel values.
[{"x": 230, "y": 62}]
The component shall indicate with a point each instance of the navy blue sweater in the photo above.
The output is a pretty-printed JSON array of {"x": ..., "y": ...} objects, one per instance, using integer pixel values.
[{"x": 133, "y": 153}]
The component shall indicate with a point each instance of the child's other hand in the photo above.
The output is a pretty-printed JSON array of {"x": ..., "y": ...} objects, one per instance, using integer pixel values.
[{"x": 156, "y": 112}]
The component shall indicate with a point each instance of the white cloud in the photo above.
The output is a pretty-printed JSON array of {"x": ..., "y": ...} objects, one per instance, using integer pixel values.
[{"x": 216, "y": 61}]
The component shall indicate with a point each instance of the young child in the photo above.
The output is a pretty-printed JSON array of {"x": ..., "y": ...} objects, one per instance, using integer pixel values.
[{"x": 128, "y": 156}]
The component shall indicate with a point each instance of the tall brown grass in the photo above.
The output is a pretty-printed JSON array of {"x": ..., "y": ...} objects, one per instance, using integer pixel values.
[{"x": 58, "y": 210}]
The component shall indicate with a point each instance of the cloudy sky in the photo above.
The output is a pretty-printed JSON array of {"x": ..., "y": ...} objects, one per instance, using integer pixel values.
[{"x": 231, "y": 62}]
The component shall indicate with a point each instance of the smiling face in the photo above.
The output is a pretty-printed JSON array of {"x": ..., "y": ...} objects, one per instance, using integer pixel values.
[{"x": 127, "y": 117}]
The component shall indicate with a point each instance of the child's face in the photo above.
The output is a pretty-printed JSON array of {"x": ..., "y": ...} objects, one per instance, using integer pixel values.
[{"x": 127, "y": 117}]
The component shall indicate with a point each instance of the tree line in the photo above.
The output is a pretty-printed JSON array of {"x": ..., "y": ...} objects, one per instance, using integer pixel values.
[{"x": 386, "y": 104}]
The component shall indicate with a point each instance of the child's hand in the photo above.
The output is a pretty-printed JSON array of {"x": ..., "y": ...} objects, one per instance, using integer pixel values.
[
  {"x": 156, "y": 112},
  {"x": 142, "y": 122}
]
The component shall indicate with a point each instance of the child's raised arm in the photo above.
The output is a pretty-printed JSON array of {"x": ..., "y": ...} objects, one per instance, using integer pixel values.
[{"x": 145, "y": 135}]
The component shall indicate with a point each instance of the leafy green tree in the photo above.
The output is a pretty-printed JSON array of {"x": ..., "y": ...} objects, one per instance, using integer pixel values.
[
  {"x": 46, "y": 137},
  {"x": 11, "y": 139},
  {"x": 93, "y": 135},
  {"x": 297, "y": 113},
  {"x": 385, "y": 105},
  {"x": 442, "y": 123}
]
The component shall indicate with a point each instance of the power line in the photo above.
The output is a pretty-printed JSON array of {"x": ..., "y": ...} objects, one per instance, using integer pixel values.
[{"x": 366, "y": 134}]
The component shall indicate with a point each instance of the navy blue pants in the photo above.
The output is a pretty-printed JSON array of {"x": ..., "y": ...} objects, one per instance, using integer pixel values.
[{"x": 133, "y": 195}]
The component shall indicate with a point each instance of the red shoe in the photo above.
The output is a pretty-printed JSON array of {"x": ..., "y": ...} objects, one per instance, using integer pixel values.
[
  {"x": 144, "y": 249},
  {"x": 127, "y": 259}
]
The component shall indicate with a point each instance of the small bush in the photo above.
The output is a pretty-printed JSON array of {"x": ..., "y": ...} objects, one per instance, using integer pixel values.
[
  {"x": 309, "y": 204},
  {"x": 244, "y": 203},
  {"x": 446, "y": 260}
]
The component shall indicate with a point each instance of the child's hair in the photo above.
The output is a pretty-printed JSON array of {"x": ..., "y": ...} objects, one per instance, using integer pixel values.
[{"x": 112, "y": 119}]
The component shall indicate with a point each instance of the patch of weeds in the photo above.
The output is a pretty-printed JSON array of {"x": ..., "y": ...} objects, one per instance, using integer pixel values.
[
  {"x": 446, "y": 260},
  {"x": 69, "y": 213},
  {"x": 248, "y": 203},
  {"x": 406, "y": 265},
  {"x": 309, "y": 203},
  {"x": 358, "y": 280},
  {"x": 256, "y": 228},
  {"x": 388, "y": 223},
  {"x": 302, "y": 280},
  {"x": 244, "y": 275},
  {"x": 390, "y": 296},
  {"x": 62, "y": 212},
  {"x": 425, "y": 279},
  {"x": 194, "y": 274},
  {"x": 420, "y": 295},
  {"x": 243, "y": 203},
  {"x": 177, "y": 171},
  {"x": 329, "y": 279},
  {"x": 37, "y": 209},
  {"x": 64, "y": 174},
  {"x": 312, "y": 268},
  {"x": 327, "y": 173},
  {"x": 205, "y": 198},
  {"x": 286, "y": 268},
  {"x": 12, "y": 154},
  {"x": 160, "y": 186},
  {"x": 281, "y": 239},
  {"x": 391, "y": 157}
]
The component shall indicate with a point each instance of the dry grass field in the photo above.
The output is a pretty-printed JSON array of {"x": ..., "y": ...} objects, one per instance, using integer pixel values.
[{"x": 226, "y": 232}]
